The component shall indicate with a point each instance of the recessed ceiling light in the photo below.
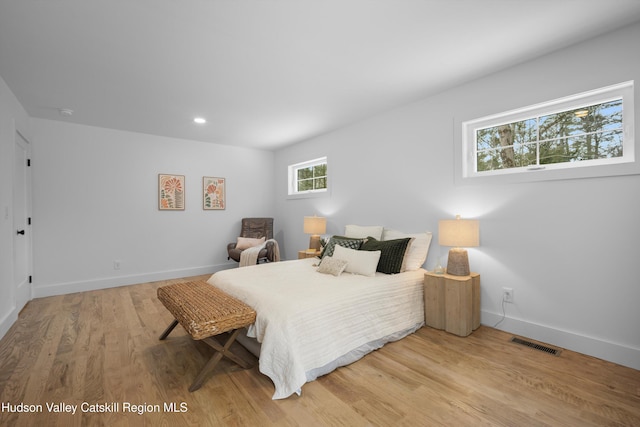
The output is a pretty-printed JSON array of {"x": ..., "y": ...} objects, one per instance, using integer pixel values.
[
  {"x": 200, "y": 120},
  {"x": 66, "y": 112}
]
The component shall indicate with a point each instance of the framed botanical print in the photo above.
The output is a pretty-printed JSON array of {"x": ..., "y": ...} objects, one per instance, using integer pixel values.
[
  {"x": 213, "y": 193},
  {"x": 170, "y": 192}
]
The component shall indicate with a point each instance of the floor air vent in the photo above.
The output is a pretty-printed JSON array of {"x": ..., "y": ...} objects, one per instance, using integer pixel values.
[{"x": 540, "y": 347}]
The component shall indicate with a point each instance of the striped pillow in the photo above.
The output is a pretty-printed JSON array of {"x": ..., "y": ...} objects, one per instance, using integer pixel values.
[{"x": 392, "y": 257}]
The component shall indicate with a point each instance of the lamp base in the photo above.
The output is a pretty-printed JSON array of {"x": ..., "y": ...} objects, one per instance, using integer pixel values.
[
  {"x": 314, "y": 242},
  {"x": 458, "y": 262}
]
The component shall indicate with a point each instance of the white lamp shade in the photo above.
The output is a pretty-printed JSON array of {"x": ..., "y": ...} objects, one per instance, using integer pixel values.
[
  {"x": 315, "y": 225},
  {"x": 459, "y": 233}
]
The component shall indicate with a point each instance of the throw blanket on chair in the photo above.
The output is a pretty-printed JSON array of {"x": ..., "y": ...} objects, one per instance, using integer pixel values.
[{"x": 250, "y": 256}]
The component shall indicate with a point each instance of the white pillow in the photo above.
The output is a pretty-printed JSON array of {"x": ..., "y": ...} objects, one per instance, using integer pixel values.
[
  {"x": 358, "y": 262},
  {"x": 360, "y": 232},
  {"x": 247, "y": 242},
  {"x": 418, "y": 250}
]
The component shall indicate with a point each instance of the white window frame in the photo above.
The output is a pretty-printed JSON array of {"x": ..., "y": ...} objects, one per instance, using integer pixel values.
[
  {"x": 587, "y": 168},
  {"x": 293, "y": 178}
]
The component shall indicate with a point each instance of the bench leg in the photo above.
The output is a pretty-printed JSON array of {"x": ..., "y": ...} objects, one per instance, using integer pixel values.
[
  {"x": 169, "y": 329},
  {"x": 220, "y": 352},
  {"x": 213, "y": 343}
]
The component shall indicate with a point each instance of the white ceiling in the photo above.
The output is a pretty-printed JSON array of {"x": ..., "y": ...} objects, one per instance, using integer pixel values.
[{"x": 267, "y": 73}]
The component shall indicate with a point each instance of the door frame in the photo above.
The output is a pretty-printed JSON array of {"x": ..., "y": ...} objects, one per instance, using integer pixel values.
[{"x": 23, "y": 290}]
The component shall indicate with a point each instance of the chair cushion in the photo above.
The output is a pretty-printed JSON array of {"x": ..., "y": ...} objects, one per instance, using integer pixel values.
[
  {"x": 234, "y": 254},
  {"x": 257, "y": 227}
]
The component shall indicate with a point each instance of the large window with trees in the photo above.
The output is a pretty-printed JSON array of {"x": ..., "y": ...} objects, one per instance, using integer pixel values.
[
  {"x": 589, "y": 129},
  {"x": 308, "y": 177}
]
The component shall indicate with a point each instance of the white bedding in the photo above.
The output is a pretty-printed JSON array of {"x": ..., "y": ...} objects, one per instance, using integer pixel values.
[{"x": 306, "y": 320}]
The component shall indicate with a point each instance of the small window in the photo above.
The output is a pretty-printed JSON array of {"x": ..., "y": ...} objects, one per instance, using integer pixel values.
[
  {"x": 589, "y": 129},
  {"x": 308, "y": 177}
]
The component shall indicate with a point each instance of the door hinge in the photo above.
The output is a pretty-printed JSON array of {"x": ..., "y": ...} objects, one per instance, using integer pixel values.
[
  {"x": 29, "y": 221},
  {"x": 30, "y": 279},
  {"x": 28, "y": 162}
]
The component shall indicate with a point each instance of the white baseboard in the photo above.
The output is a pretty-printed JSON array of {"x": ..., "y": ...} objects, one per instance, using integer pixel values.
[
  {"x": 8, "y": 320},
  {"x": 52, "y": 289},
  {"x": 612, "y": 352}
]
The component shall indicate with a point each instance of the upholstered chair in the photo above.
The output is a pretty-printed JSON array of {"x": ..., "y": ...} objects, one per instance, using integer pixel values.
[{"x": 255, "y": 228}]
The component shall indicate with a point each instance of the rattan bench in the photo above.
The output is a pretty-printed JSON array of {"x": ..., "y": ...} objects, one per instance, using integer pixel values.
[{"x": 205, "y": 311}]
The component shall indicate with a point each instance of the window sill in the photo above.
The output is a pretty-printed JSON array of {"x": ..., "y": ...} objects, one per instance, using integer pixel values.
[
  {"x": 551, "y": 174},
  {"x": 315, "y": 195}
]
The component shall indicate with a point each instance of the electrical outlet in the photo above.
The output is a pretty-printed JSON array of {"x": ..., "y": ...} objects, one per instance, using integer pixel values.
[
  {"x": 507, "y": 295},
  {"x": 116, "y": 264}
]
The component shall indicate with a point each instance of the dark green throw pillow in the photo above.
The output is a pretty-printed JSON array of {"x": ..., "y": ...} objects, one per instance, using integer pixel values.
[{"x": 392, "y": 253}]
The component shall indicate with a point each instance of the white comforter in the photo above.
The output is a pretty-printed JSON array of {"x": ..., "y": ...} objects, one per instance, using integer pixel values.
[{"x": 306, "y": 319}]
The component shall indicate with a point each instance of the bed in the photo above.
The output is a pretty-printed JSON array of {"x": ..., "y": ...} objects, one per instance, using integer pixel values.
[{"x": 309, "y": 323}]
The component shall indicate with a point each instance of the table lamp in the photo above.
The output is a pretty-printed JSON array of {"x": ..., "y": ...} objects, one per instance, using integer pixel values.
[
  {"x": 459, "y": 233},
  {"x": 315, "y": 225}
]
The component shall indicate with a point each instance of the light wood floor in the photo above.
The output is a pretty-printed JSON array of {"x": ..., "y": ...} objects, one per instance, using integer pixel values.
[{"x": 102, "y": 347}]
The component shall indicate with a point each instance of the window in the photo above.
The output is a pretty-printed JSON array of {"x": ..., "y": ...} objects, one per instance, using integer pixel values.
[
  {"x": 590, "y": 129},
  {"x": 308, "y": 177}
]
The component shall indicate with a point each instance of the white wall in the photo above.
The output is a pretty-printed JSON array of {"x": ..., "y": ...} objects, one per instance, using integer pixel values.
[
  {"x": 12, "y": 118},
  {"x": 569, "y": 249},
  {"x": 95, "y": 200}
]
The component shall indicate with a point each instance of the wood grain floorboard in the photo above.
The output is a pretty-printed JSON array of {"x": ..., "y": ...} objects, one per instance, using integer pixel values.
[{"x": 102, "y": 348}]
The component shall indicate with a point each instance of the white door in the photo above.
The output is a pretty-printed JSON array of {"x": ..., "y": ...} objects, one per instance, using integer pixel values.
[{"x": 22, "y": 222}]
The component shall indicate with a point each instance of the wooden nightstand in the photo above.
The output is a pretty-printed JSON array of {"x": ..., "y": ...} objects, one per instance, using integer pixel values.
[
  {"x": 304, "y": 254},
  {"x": 452, "y": 302}
]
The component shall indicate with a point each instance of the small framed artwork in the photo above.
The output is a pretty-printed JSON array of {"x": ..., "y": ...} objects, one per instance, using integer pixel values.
[
  {"x": 171, "y": 192},
  {"x": 213, "y": 193}
]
